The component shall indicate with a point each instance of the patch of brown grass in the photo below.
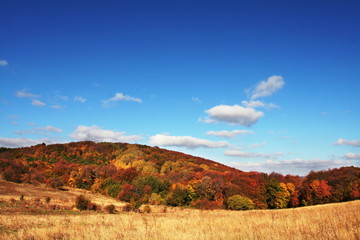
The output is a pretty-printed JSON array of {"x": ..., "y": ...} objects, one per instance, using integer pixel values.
[
  {"x": 66, "y": 199},
  {"x": 331, "y": 221}
]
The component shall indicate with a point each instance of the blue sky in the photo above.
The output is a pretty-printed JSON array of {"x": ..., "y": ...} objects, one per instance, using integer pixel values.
[{"x": 258, "y": 85}]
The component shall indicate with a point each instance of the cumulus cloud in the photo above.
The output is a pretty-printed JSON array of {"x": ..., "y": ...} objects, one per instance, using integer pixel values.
[
  {"x": 3, "y": 63},
  {"x": 351, "y": 156},
  {"x": 38, "y": 103},
  {"x": 258, "y": 104},
  {"x": 353, "y": 143},
  {"x": 39, "y": 130},
  {"x": 229, "y": 134},
  {"x": 97, "y": 134},
  {"x": 120, "y": 97},
  {"x": 241, "y": 154},
  {"x": 267, "y": 87},
  {"x": 296, "y": 166},
  {"x": 25, "y": 94},
  {"x": 185, "y": 141},
  {"x": 80, "y": 99},
  {"x": 23, "y": 142},
  {"x": 234, "y": 114}
]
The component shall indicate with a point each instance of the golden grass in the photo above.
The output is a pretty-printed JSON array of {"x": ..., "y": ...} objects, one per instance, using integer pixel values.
[
  {"x": 331, "y": 221},
  {"x": 10, "y": 190}
]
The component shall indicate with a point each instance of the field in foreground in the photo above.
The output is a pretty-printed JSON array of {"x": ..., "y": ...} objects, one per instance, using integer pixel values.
[{"x": 331, "y": 221}]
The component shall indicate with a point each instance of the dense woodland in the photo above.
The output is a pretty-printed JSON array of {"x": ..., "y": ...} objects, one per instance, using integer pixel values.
[{"x": 151, "y": 175}]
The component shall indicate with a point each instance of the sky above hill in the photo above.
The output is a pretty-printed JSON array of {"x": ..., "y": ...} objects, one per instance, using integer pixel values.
[{"x": 257, "y": 85}]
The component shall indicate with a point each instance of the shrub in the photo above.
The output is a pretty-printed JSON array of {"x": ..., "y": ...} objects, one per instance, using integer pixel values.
[
  {"x": 178, "y": 197},
  {"x": 47, "y": 199},
  {"x": 156, "y": 199},
  {"x": 110, "y": 209},
  {"x": 237, "y": 202},
  {"x": 93, "y": 207},
  {"x": 147, "y": 209},
  {"x": 206, "y": 204},
  {"x": 82, "y": 203},
  {"x": 127, "y": 208}
]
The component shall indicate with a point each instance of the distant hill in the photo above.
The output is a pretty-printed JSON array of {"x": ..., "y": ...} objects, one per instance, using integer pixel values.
[{"x": 133, "y": 172}]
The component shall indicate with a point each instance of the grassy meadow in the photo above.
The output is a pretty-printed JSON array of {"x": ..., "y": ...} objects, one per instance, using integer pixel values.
[{"x": 331, "y": 221}]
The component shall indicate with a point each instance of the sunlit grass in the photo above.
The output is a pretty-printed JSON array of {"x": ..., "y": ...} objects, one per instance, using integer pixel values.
[{"x": 331, "y": 221}]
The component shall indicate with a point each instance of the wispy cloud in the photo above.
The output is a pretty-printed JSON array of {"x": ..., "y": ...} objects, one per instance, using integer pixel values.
[
  {"x": 268, "y": 87},
  {"x": 25, "y": 94},
  {"x": 353, "y": 143},
  {"x": 38, "y": 103},
  {"x": 39, "y": 130},
  {"x": 258, "y": 104},
  {"x": 296, "y": 166},
  {"x": 185, "y": 141},
  {"x": 24, "y": 142},
  {"x": 120, "y": 97},
  {"x": 351, "y": 156},
  {"x": 234, "y": 115},
  {"x": 229, "y": 134},
  {"x": 3, "y": 63},
  {"x": 241, "y": 154},
  {"x": 80, "y": 99},
  {"x": 57, "y": 107},
  {"x": 97, "y": 134},
  {"x": 197, "y": 100}
]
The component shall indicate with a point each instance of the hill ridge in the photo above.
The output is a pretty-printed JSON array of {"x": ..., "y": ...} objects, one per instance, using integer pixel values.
[{"x": 159, "y": 176}]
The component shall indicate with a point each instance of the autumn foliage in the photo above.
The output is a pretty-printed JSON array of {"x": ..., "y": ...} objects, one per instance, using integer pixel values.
[{"x": 140, "y": 174}]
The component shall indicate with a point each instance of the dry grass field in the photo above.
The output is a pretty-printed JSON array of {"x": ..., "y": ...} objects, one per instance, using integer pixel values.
[
  {"x": 331, "y": 221},
  {"x": 9, "y": 190}
]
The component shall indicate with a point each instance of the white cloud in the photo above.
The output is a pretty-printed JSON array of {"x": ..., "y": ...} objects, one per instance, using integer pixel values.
[
  {"x": 185, "y": 141},
  {"x": 353, "y": 143},
  {"x": 97, "y": 134},
  {"x": 23, "y": 142},
  {"x": 25, "y": 94},
  {"x": 197, "y": 100},
  {"x": 268, "y": 87},
  {"x": 256, "y": 145},
  {"x": 351, "y": 156},
  {"x": 258, "y": 104},
  {"x": 237, "y": 153},
  {"x": 39, "y": 130},
  {"x": 296, "y": 166},
  {"x": 49, "y": 129},
  {"x": 80, "y": 99},
  {"x": 234, "y": 114},
  {"x": 3, "y": 63},
  {"x": 120, "y": 97},
  {"x": 56, "y": 107},
  {"x": 38, "y": 103},
  {"x": 229, "y": 134},
  {"x": 207, "y": 120}
]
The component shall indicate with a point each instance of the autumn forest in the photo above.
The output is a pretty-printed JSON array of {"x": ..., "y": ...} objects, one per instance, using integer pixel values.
[{"x": 150, "y": 175}]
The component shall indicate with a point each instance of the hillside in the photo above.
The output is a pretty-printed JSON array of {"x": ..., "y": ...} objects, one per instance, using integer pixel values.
[
  {"x": 10, "y": 194},
  {"x": 157, "y": 176}
]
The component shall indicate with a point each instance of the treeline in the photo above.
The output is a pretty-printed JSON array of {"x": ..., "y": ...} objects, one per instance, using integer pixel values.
[{"x": 150, "y": 175}]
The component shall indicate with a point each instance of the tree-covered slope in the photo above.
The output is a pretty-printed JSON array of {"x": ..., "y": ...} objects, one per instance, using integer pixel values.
[{"x": 143, "y": 174}]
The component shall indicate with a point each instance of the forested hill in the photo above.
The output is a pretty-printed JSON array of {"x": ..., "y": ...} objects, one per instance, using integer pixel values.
[{"x": 150, "y": 175}]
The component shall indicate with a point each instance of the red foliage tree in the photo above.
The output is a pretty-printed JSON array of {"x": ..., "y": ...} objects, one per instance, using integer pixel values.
[{"x": 126, "y": 193}]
